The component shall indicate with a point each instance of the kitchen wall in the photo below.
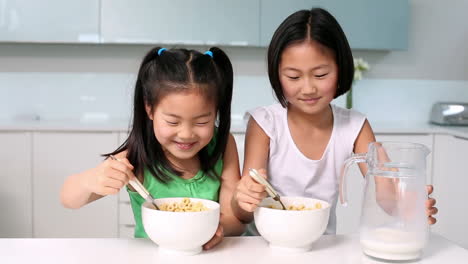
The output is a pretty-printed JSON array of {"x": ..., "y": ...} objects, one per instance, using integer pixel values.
[{"x": 92, "y": 81}]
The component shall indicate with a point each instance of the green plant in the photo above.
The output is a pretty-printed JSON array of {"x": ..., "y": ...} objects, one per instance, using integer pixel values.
[{"x": 360, "y": 66}]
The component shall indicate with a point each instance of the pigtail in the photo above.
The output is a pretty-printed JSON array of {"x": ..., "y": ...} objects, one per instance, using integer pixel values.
[{"x": 224, "y": 99}]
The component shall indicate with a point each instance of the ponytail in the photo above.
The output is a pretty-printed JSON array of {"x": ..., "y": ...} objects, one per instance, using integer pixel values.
[{"x": 224, "y": 98}]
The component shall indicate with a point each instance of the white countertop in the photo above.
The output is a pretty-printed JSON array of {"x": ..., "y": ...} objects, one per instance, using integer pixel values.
[
  {"x": 237, "y": 126},
  {"x": 328, "y": 249}
]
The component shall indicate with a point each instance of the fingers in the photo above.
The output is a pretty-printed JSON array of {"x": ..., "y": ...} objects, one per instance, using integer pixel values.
[
  {"x": 113, "y": 183},
  {"x": 123, "y": 166},
  {"x": 432, "y": 211},
  {"x": 249, "y": 194},
  {"x": 251, "y": 185},
  {"x": 247, "y": 202},
  {"x": 429, "y": 189},
  {"x": 431, "y": 220},
  {"x": 216, "y": 239},
  {"x": 430, "y": 202}
]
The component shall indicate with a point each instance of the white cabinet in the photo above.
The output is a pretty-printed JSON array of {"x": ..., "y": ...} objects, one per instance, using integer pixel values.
[
  {"x": 348, "y": 217},
  {"x": 15, "y": 188},
  {"x": 209, "y": 22},
  {"x": 450, "y": 188},
  {"x": 56, "y": 156},
  {"x": 126, "y": 221},
  {"x": 240, "y": 141},
  {"x": 368, "y": 24},
  {"x": 61, "y": 21}
]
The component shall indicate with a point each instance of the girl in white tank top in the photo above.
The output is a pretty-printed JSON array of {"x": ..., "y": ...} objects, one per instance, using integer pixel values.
[{"x": 303, "y": 141}]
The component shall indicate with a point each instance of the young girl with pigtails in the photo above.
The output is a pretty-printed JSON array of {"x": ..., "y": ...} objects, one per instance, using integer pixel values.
[{"x": 179, "y": 144}]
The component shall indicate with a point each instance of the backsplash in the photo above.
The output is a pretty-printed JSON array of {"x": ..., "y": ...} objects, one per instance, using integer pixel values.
[{"x": 103, "y": 96}]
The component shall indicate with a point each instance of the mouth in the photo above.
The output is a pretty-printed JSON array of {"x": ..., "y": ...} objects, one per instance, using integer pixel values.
[
  {"x": 310, "y": 100},
  {"x": 185, "y": 146}
]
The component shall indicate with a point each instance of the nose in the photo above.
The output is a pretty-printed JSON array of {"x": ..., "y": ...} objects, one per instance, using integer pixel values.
[
  {"x": 309, "y": 86},
  {"x": 186, "y": 132}
]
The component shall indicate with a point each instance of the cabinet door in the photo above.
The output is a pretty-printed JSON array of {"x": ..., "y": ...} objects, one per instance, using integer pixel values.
[
  {"x": 368, "y": 24},
  {"x": 209, "y": 22},
  {"x": 56, "y": 156},
  {"x": 450, "y": 185},
  {"x": 126, "y": 220},
  {"x": 15, "y": 190},
  {"x": 49, "y": 21},
  {"x": 348, "y": 217}
]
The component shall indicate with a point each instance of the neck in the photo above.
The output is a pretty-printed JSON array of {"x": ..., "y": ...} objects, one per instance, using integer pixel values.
[
  {"x": 188, "y": 167},
  {"x": 322, "y": 118}
]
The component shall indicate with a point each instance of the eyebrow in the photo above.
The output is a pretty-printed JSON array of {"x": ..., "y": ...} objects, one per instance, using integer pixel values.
[
  {"x": 315, "y": 68},
  {"x": 196, "y": 117}
]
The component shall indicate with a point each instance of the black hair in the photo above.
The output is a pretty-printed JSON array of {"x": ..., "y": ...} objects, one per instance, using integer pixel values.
[
  {"x": 319, "y": 25},
  {"x": 177, "y": 70}
]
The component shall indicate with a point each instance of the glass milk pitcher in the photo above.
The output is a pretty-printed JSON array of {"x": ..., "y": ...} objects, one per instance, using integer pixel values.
[{"x": 393, "y": 222}]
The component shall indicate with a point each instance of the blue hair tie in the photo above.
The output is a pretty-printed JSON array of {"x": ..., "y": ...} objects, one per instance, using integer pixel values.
[
  {"x": 209, "y": 53},
  {"x": 161, "y": 51}
]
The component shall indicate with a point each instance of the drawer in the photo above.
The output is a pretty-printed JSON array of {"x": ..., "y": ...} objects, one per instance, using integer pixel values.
[
  {"x": 126, "y": 231},
  {"x": 123, "y": 195},
  {"x": 126, "y": 214}
]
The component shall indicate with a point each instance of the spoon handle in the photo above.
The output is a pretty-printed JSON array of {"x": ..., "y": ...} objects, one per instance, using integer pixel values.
[
  {"x": 269, "y": 189},
  {"x": 140, "y": 188}
]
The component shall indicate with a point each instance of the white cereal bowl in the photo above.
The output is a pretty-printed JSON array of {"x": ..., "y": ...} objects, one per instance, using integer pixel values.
[
  {"x": 291, "y": 231},
  {"x": 182, "y": 233}
]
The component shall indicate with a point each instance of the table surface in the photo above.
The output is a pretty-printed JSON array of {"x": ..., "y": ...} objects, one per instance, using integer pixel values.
[{"x": 328, "y": 249}]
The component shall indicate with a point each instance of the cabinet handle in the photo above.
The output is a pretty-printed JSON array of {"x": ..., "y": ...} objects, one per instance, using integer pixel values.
[
  {"x": 129, "y": 226},
  {"x": 459, "y": 137}
]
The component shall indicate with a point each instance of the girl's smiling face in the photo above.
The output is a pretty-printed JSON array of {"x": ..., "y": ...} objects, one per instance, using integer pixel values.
[
  {"x": 183, "y": 123},
  {"x": 308, "y": 74}
]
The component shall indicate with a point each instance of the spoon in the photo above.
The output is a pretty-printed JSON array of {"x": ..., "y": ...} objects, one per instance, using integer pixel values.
[
  {"x": 136, "y": 184},
  {"x": 269, "y": 189}
]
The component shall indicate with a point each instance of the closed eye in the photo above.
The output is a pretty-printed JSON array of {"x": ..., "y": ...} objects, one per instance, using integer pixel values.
[
  {"x": 171, "y": 123},
  {"x": 202, "y": 123},
  {"x": 293, "y": 77},
  {"x": 321, "y": 75}
]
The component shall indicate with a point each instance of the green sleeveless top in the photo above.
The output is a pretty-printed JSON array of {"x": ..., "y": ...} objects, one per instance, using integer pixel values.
[{"x": 199, "y": 186}]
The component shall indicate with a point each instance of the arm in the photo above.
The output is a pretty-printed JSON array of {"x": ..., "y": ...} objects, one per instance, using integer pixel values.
[
  {"x": 229, "y": 180},
  {"x": 386, "y": 188},
  {"x": 249, "y": 193},
  {"x": 229, "y": 223},
  {"x": 85, "y": 187}
]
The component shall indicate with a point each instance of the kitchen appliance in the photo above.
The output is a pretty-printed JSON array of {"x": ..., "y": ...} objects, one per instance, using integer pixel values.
[
  {"x": 393, "y": 222},
  {"x": 450, "y": 113}
]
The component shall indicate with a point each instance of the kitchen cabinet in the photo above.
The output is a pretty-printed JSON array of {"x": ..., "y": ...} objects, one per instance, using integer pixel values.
[
  {"x": 368, "y": 24},
  {"x": 57, "y": 155},
  {"x": 450, "y": 187},
  {"x": 51, "y": 21},
  {"x": 348, "y": 217},
  {"x": 203, "y": 22},
  {"x": 240, "y": 141},
  {"x": 126, "y": 222},
  {"x": 16, "y": 189}
]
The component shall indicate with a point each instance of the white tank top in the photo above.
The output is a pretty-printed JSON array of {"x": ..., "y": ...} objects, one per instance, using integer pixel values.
[{"x": 293, "y": 174}]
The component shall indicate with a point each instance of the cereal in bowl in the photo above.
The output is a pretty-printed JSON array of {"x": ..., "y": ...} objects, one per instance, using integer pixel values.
[
  {"x": 300, "y": 207},
  {"x": 186, "y": 205}
]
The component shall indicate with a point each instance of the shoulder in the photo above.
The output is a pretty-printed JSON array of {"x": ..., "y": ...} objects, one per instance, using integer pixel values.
[
  {"x": 347, "y": 114},
  {"x": 267, "y": 117},
  {"x": 350, "y": 125}
]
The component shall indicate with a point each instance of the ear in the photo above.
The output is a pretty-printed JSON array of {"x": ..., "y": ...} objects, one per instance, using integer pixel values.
[{"x": 149, "y": 111}]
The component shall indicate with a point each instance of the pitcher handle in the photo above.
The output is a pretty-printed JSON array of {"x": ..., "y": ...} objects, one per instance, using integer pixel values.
[{"x": 355, "y": 158}]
